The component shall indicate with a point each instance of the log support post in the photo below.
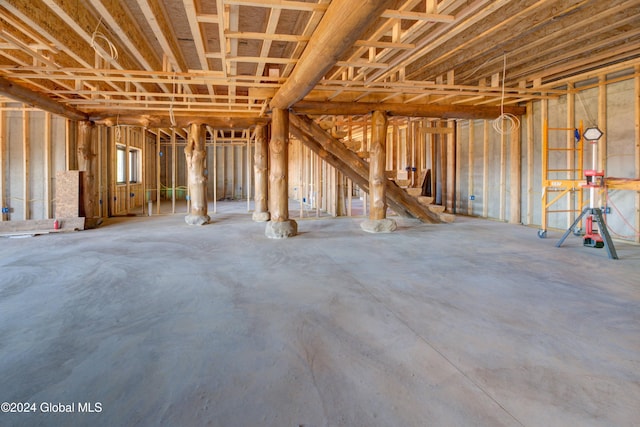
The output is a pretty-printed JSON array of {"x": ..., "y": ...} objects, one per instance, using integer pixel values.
[
  {"x": 378, "y": 221},
  {"x": 280, "y": 226},
  {"x": 196, "y": 155},
  {"x": 87, "y": 164},
  {"x": 260, "y": 169}
]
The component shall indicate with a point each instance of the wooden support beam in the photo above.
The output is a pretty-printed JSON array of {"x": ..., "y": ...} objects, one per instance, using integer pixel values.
[
  {"x": 26, "y": 162},
  {"x": 377, "y": 177},
  {"x": 408, "y": 110},
  {"x": 214, "y": 120},
  {"x": 341, "y": 26},
  {"x": 451, "y": 166},
  {"x": 637, "y": 141},
  {"x": 278, "y": 174},
  {"x": 3, "y": 158},
  {"x": 515, "y": 178},
  {"x": 602, "y": 125},
  {"x": 29, "y": 97},
  {"x": 47, "y": 165},
  {"x": 174, "y": 169},
  {"x": 485, "y": 169},
  {"x": 336, "y": 154},
  {"x": 261, "y": 171},
  {"x": 158, "y": 178},
  {"x": 87, "y": 161},
  {"x": 280, "y": 226},
  {"x": 530, "y": 163},
  {"x": 196, "y": 155},
  {"x": 502, "y": 187},
  {"x": 471, "y": 161}
]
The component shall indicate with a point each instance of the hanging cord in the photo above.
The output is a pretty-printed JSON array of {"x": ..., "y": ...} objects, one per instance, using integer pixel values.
[
  {"x": 589, "y": 116},
  {"x": 512, "y": 122},
  {"x": 610, "y": 202},
  {"x": 97, "y": 35}
]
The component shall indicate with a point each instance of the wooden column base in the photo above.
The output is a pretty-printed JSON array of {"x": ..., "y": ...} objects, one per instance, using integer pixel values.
[
  {"x": 197, "y": 219},
  {"x": 385, "y": 225},
  {"x": 281, "y": 229},
  {"x": 261, "y": 216}
]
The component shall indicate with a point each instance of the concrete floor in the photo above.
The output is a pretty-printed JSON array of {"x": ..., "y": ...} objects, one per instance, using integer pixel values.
[{"x": 475, "y": 323}]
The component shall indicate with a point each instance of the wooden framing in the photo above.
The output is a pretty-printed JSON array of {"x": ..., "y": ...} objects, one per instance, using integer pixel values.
[
  {"x": 3, "y": 159},
  {"x": 637, "y": 141},
  {"x": 515, "y": 177},
  {"x": 26, "y": 163}
]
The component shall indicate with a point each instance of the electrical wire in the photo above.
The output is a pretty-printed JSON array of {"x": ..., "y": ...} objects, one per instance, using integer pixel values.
[
  {"x": 112, "y": 55},
  {"x": 512, "y": 122},
  {"x": 589, "y": 116}
]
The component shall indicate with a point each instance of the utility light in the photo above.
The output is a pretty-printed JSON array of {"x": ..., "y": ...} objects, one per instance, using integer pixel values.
[{"x": 592, "y": 134}]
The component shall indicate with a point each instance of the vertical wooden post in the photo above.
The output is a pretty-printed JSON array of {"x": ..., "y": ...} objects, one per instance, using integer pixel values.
[
  {"x": 260, "y": 170},
  {"x": 3, "y": 157},
  {"x": 232, "y": 166},
  {"x": 365, "y": 148},
  {"x": 378, "y": 222},
  {"x": 340, "y": 202},
  {"x": 515, "y": 177},
  {"x": 485, "y": 169},
  {"x": 26, "y": 161},
  {"x": 248, "y": 167},
  {"x": 318, "y": 187},
  {"x": 637, "y": 138},
  {"x": 450, "y": 177},
  {"x": 434, "y": 140},
  {"x": 158, "y": 179},
  {"x": 196, "y": 155},
  {"x": 280, "y": 226},
  {"x": 87, "y": 159},
  {"x": 530, "y": 163},
  {"x": 472, "y": 137},
  {"x": 602, "y": 125},
  {"x": 47, "y": 165},
  {"x": 215, "y": 170},
  {"x": 503, "y": 177},
  {"x": 174, "y": 160},
  {"x": 100, "y": 160},
  {"x": 127, "y": 168}
]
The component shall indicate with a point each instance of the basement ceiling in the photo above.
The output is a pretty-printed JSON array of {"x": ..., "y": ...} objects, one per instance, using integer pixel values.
[{"x": 227, "y": 58}]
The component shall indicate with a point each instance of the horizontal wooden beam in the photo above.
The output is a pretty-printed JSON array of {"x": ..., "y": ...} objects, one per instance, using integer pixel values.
[
  {"x": 417, "y": 16},
  {"x": 406, "y": 110},
  {"x": 341, "y": 26},
  {"x": 29, "y": 97},
  {"x": 163, "y": 121}
]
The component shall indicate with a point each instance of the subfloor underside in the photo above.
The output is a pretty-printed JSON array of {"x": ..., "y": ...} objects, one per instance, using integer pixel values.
[{"x": 471, "y": 323}]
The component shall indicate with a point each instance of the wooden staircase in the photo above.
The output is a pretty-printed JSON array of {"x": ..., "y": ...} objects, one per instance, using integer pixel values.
[
  {"x": 346, "y": 161},
  {"x": 428, "y": 203}
]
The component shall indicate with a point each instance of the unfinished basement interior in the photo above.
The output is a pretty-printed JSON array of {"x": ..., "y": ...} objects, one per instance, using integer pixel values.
[{"x": 320, "y": 213}]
